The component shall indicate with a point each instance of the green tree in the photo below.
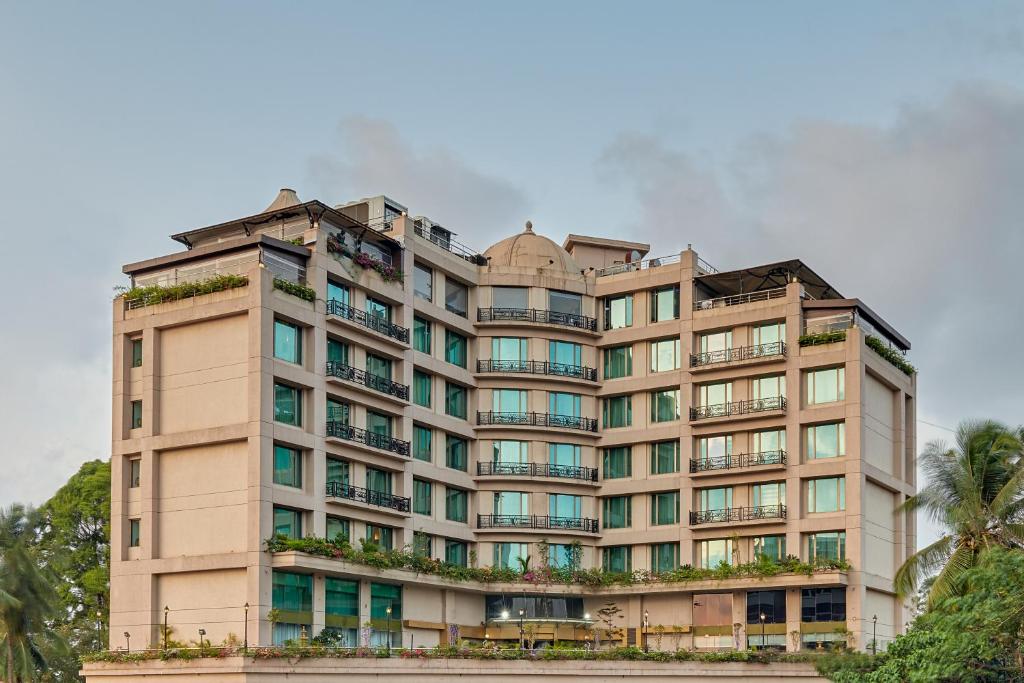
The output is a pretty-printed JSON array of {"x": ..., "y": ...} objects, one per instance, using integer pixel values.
[{"x": 975, "y": 491}]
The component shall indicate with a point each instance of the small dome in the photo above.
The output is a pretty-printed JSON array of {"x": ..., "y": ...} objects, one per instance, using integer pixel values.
[
  {"x": 530, "y": 250},
  {"x": 285, "y": 199}
]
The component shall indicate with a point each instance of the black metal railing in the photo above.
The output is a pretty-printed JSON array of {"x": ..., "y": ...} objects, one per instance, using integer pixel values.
[
  {"x": 737, "y": 461},
  {"x": 738, "y": 514},
  {"x": 538, "y": 367},
  {"x": 756, "y": 405},
  {"x": 536, "y": 469},
  {"x": 741, "y": 353},
  {"x": 445, "y": 241},
  {"x": 738, "y": 299},
  {"x": 368, "y": 320},
  {"x": 536, "y": 522},
  {"x": 340, "y": 430},
  {"x": 491, "y": 417},
  {"x": 536, "y": 315},
  {"x": 336, "y": 489},
  {"x": 367, "y": 379}
]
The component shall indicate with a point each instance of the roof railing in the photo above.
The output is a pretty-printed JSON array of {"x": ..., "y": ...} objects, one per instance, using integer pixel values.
[
  {"x": 645, "y": 264},
  {"x": 739, "y": 299}
]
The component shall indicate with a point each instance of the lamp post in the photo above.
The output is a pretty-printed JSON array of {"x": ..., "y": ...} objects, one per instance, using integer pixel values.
[
  {"x": 522, "y": 633},
  {"x": 874, "y": 634},
  {"x": 245, "y": 630},
  {"x": 762, "y": 616},
  {"x": 388, "y": 611},
  {"x": 202, "y": 632},
  {"x": 166, "y": 610},
  {"x": 643, "y": 634},
  {"x": 128, "y": 640}
]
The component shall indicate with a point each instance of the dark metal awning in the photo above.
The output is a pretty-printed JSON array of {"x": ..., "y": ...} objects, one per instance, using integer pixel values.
[{"x": 769, "y": 276}]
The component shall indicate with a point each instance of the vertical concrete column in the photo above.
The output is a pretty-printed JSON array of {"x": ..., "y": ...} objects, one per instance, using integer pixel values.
[
  {"x": 795, "y": 402},
  {"x": 319, "y": 604},
  {"x": 259, "y": 505},
  {"x": 793, "y": 609},
  {"x": 739, "y": 616},
  {"x": 687, "y": 446},
  {"x": 364, "y": 608}
]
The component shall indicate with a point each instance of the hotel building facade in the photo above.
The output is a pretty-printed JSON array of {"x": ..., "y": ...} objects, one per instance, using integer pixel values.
[{"x": 575, "y": 402}]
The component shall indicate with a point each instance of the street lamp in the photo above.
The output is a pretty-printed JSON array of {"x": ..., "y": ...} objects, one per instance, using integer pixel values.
[
  {"x": 522, "y": 633},
  {"x": 762, "y": 617},
  {"x": 128, "y": 640},
  {"x": 643, "y": 634},
  {"x": 874, "y": 634},
  {"x": 245, "y": 630},
  {"x": 388, "y": 611},
  {"x": 202, "y": 632},
  {"x": 166, "y": 610}
]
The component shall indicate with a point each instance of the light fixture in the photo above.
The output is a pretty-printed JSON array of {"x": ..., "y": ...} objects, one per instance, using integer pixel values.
[{"x": 504, "y": 614}]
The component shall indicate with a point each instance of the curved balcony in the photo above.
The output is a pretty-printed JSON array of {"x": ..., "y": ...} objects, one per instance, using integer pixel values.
[
  {"x": 737, "y": 461},
  {"x": 492, "y": 418},
  {"x": 340, "y": 430},
  {"x": 534, "y": 469},
  {"x": 757, "y": 405},
  {"x": 537, "y": 522},
  {"x": 375, "y": 382},
  {"x": 537, "y": 367},
  {"x": 536, "y": 315},
  {"x": 742, "y": 514},
  {"x": 761, "y": 351},
  {"x": 368, "y": 320},
  {"x": 336, "y": 489}
]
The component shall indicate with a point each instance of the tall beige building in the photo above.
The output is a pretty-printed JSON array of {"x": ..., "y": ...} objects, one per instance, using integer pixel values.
[{"x": 470, "y": 407}]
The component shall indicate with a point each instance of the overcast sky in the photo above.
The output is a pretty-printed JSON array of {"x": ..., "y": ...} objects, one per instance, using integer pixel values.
[{"x": 882, "y": 143}]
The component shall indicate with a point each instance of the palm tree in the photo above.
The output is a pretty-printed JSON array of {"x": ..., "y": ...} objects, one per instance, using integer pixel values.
[{"x": 975, "y": 490}]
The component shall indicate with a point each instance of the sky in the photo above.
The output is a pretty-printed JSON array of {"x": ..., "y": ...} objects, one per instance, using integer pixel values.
[{"x": 881, "y": 143}]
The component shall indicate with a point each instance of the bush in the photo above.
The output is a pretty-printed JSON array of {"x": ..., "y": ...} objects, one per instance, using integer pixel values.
[
  {"x": 158, "y": 294},
  {"x": 822, "y": 338},
  {"x": 889, "y": 354},
  {"x": 303, "y": 292}
]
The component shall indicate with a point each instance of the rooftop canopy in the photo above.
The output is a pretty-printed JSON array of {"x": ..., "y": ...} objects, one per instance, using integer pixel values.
[{"x": 770, "y": 276}]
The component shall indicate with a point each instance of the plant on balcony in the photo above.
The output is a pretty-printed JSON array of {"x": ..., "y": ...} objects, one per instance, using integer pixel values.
[
  {"x": 302, "y": 291},
  {"x": 821, "y": 338},
  {"x": 889, "y": 354},
  {"x": 158, "y": 294},
  {"x": 336, "y": 246}
]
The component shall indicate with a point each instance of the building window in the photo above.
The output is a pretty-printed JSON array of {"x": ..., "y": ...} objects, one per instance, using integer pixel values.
[
  {"x": 378, "y": 480},
  {"x": 339, "y": 293},
  {"x": 508, "y": 555},
  {"x": 665, "y": 304},
  {"x": 455, "y": 400},
  {"x": 617, "y": 558},
  {"x": 341, "y": 608},
  {"x": 421, "y": 443},
  {"x": 287, "y": 466},
  {"x": 618, "y": 412},
  {"x": 617, "y": 512},
  {"x": 618, "y": 462},
  {"x": 768, "y": 440},
  {"x": 716, "y": 342},
  {"x": 770, "y": 547},
  {"x": 456, "y": 552},
  {"x": 377, "y": 366},
  {"x": 768, "y": 387},
  {"x": 385, "y": 614},
  {"x": 565, "y": 505},
  {"x": 421, "y": 335},
  {"x": 565, "y": 353},
  {"x": 422, "y": 544},
  {"x": 665, "y": 508},
  {"x": 715, "y": 552},
  {"x": 769, "y": 604},
  {"x": 508, "y": 349},
  {"x": 510, "y": 297},
  {"x": 337, "y": 351},
  {"x": 564, "y": 454},
  {"x": 136, "y": 353},
  {"x": 378, "y": 423},
  {"x": 456, "y": 297},
  {"x": 714, "y": 395},
  {"x": 565, "y": 302},
  {"x": 768, "y": 495},
  {"x": 423, "y": 282},
  {"x": 293, "y": 595},
  {"x": 287, "y": 522},
  {"x": 287, "y": 342},
  {"x": 456, "y": 504},
  {"x": 664, "y": 457},
  {"x": 564, "y": 404},
  {"x": 134, "y": 473},
  {"x": 509, "y": 400},
  {"x": 664, "y": 557},
  {"x": 338, "y": 471},
  {"x": 768, "y": 333},
  {"x": 422, "y": 497},
  {"x": 561, "y": 556},
  {"x": 665, "y": 405},
  {"x": 618, "y": 312},
  {"x": 822, "y": 604},
  {"x": 826, "y": 386},
  {"x": 455, "y": 348},
  {"x": 421, "y": 385},
  {"x": 509, "y": 451},
  {"x": 337, "y": 411},
  {"x": 378, "y": 309},
  {"x": 826, "y": 546},
  {"x": 381, "y": 536},
  {"x": 826, "y": 495},
  {"x": 136, "y": 414},
  {"x": 665, "y": 355},
  {"x": 826, "y": 441},
  {"x": 455, "y": 453},
  {"x": 134, "y": 532},
  {"x": 618, "y": 362},
  {"x": 719, "y": 498},
  {"x": 338, "y": 529},
  {"x": 511, "y": 503},
  {"x": 715, "y": 451},
  {"x": 287, "y": 405}
]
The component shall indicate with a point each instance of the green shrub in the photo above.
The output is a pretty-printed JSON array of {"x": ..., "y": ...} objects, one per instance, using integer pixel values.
[
  {"x": 303, "y": 292},
  {"x": 822, "y": 338},
  {"x": 889, "y": 354},
  {"x": 158, "y": 294}
]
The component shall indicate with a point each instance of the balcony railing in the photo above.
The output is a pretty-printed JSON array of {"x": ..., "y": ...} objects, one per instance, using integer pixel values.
[
  {"x": 490, "y": 417},
  {"x": 757, "y": 405},
  {"x": 368, "y": 320},
  {"x": 741, "y": 353},
  {"x": 633, "y": 266},
  {"x": 538, "y": 367},
  {"x": 445, "y": 241},
  {"x": 336, "y": 489},
  {"x": 738, "y": 299},
  {"x": 737, "y": 461},
  {"x": 536, "y": 315},
  {"x": 536, "y": 522},
  {"x": 367, "y": 379},
  {"x": 738, "y": 514},
  {"x": 340, "y": 430},
  {"x": 535, "y": 469}
]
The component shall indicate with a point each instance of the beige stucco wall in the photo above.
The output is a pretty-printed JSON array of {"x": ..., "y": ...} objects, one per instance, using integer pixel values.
[{"x": 206, "y": 600}]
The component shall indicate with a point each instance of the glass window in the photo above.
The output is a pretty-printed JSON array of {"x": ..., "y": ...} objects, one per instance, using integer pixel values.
[
  {"x": 617, "y": 558},
  {"x": 421, "y": 335},
  {"x": 423, "y": 282},
  {"x": 508, "y": 349},
  {"x": 456, "y": 503},
  {"x": 377, "y": 366},
  {"x": 136, "y": 407},
  {"x": 829, "y": 545},
  {"x": 287, "y": 405},
  {"x": 618, "y": 312},
  {"x": 826, "y": 441},
  {"x": 421, "y": 385},
  {"x": 826, "y": 386},
  {"x": 665, "y": 304},
  {"x": 291, "y": 592},
  {"x": 337, "y": 411},
  {"x": 715, "y": 451},
  {"x": 617, "y": 512},
  {"x": 455, "y": 452},
  {"x": 511, "y": 503},
  {"x": 768, "y": 495},
  {"x": 421, "y": 443},
  {"x": 715, "y": 499},
  {"x": 617, "y": 412},
  {"x": 508, "y": 555},
  {"x": 510, "y": 297},
  {"x": 768, "y": 387},
  {"x": 565, "y": 353},
  {"x": 456, "y": 552},
  {"x": 618, "y": 362},
  {"x": 338, "y": 471},
  {"x": 564, "y": 454},
  {"x": 337, "y": 352},
  {"x": 771, "y": 547},
  {"x": 378, "y": 423},
  {"x": 341, "y": 597},
  {"x": 560, "y": 555},
  {"x": 509, "y": 400},
  {"x": 382, "y": 536},
  {"x": 455, "y": 348},
  {"x": 714, "y": 394},
  {"x": 716, "y": 342},
  {"x": 422, "y": 498},
  {"x": 665, "y": 508},
  {"x": 456, "y": 297},
  {"x": 510, "y": 451},
  {"x": 565, "y": 302},
  {"x": 378, "y": 309},
  {"x": 288, "y": 522},
  {"x": 455, "y": 400},
  {"x": 134, "y": 532},
  {"x": 136, "y": 353},
  {"x": 336, "y": 292},
  {"x": 822, "y": 604},
  {"x": 618, "y": 462},
  {"x": 768, "y": 440},
  {"x": 771, "y": 604},
  {"x": 287, "y": 466},
  {"x": 826, "y": 495},
  {"x": 769, "y": 333},
  {"x": 664, "y": 457},
  {"x": 287, "y": 342},
  {"x": 665, "y": 355},
  {"x": 664, "y": 557},
  {"x": 562, "y": 403},
  {"x": 378, "y": 480},
  {"x": 338, "y": 527},
  {"x": 565, "y": 505},
  {"x": 715, "y": 552},
  {"x": 134, "y": 473},
  {"x": 665, "y": 405},
  {"x": 382, "y": 597}
]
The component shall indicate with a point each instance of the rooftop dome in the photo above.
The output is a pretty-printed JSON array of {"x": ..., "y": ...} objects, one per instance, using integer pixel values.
[
  {"x": 530, "y": 250},
  {"x": 286, "y": 198}
]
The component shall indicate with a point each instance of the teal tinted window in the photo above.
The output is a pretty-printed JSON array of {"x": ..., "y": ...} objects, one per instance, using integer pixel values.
[
  {"x": 341, "y": 597},
  {"x": 422, "y": 498},
  {"x": 456, "y": 552},
  {"x": 381, "y": 367},
  {"x": 561, "y": 403},
  {"x": 618, "y": 558},
  {"x": 455, "y": 453},
  {"x": 378, "y": 423},
  {"x": 382, "y": 597},
  {"x": 509, "y": 400},
  {"x": 287, "y": 405},
  {"x": 618, "y": 462},
  {"x": 421, "y": 386},
  {"x": 456, "y": 502},
  {"x": 618, "y": 362},
  {"x": 508, "y": 555},
  {"x": 337, "y": 411},
  {"x": 665, "y": 508},
  {"x": 136, "y": 414},
  {"x": 287, "y": 342},
  {"x": 336, "y": 292},
  {"x": 337, "y": 352},
  {"x": 292, "y": 592},
  {"x": 422, "y": 544},
  {"x": 665, "y": 304},
  {"x": 509, "y": 451},
  {"x": 826, "y": 495},
  {"x": 771, "y": 547},
  {"x": 455, "y": 400},
  {"x": 378, "y": 309},
  {"x": 565, "y": 353},
  {"x": 565, "y": 505},
  {"x": 421, "y": 335},
  {"x": 378, "y": 480},
  {"x": 664, "y": 557},
  {"x": 617, "y": 412},
  {"x": 421, "y": 443},
  {"x": 826, "y": 441},
  {"x": 567, "y": 454},
  {"x": 715, "y": 499},
  {"x": 338, "y": 527},
  {"x": 337, "y": 471},
  {"x": 665, "y": 405},
  {"x": 134, "y": 532},
  {"x": 382, "y": 536},
  {"x": 508, "y": 348},
  {"x": 287, "y": 466},
  {"x": 830, "y": 545},
  {"x": 288, "y": 522},
  {"x": 617, "y": 512},
  {"x": 136, "y": 353},
  {"x": 618, "y": 312},
  {"x": 512, "y": 503},
  {"x": 455, "y": 348},
  {"x": 664, "y": 457}
]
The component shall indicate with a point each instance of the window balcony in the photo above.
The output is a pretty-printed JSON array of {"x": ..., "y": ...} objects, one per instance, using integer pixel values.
[
  {"x": 368, "y": 320},
  {"x": 536, "y": 315},
  {"x": 340, "y": 430},
  {"x": 537, "y": 522},
  {"x": 534, "y": 469},
  {"x": 761, "y": 351},
  {"x": 336, "y": 489},
  {"x": 739, "y": 299},
  {"x": 757, "y": 405},
  {"x": 738, "y": 461},
  {"x": 375, "y": 382},
  {"x": 743, "y": 514},
  {"x": 537, "y": 367},
  {"x": 491, "y": 418}
]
